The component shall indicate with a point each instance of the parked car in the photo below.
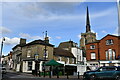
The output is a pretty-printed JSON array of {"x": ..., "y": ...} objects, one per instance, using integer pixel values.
[
  {"x": 106, "y": 72},
  {"x": 3, "y": 70}
]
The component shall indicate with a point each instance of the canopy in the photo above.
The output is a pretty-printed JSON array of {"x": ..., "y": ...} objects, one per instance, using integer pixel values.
[{"x": 52, "y": 62}]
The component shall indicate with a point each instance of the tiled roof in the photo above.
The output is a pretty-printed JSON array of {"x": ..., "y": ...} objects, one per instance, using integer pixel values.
[
  {"x": 62, "y": 52},
  {"x": 67, "y": 44}
]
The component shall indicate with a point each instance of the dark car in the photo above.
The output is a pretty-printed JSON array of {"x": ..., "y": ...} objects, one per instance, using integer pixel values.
[{"x": 106, "y": 72}]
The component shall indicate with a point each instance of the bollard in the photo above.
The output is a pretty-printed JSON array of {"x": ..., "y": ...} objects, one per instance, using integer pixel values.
[
  {"x": 50, "y": 74},
  {"x": 78, "y": 75},
  {"x": 67, "y": 76},
  {"x": 44, "y": 73},
  {"x": 57, "y": 75},
  {"x": 39, "y": 74}
]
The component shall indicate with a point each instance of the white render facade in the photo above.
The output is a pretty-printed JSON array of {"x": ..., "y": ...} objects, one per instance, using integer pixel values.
[
  {"x": 27, "y": 67},
  {"x": 77, "y": 52}
]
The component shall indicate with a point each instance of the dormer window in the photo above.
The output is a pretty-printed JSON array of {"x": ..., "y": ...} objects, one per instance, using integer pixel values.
[
  {"x": 92, "y": 46},
  {"x": 109, "y": 42}
]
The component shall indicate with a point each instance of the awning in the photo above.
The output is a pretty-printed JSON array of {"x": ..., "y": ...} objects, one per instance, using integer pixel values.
[{"x": 53, "y": 63}]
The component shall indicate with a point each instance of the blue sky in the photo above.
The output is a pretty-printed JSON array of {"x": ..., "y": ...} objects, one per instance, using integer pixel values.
[{"x": 62, "y": 20}]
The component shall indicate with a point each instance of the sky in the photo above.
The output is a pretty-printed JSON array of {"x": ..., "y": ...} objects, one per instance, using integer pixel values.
[{"x": 63, "y": 21}]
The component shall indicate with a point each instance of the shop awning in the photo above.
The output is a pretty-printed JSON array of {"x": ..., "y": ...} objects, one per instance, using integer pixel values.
[{"x": 52, "y": 62}]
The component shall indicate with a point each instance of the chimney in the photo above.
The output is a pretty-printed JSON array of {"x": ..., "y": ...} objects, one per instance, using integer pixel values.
[
  {"x": 47, "y": 39},
  {"x": 22, "y": 41}
]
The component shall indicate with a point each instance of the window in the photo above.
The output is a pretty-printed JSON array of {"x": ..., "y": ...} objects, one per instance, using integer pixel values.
[
  {"x": 67, "y": 60},
  {"x": 110, "y": 54},
  {"x": 114, "y": 55},
  {"x": 72, "y": 60},
  {"x": 59, "y": 59},
  {"x": 92, "y": 47},
  {"x": 29, "y": 53},
  {"x": 29, "y": 65},
  {"x": 106, "y": 55},
  {"x": 93, "y": 56},
  {"x": 45, "y": 54},
  {"x": 109, "y": 42}
]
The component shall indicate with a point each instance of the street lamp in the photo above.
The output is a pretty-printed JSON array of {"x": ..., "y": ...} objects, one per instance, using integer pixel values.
[
  {"x": 36, "y": 64},
  {"x": 45, "y": 54},
  {"x": 3, "y": 39}
]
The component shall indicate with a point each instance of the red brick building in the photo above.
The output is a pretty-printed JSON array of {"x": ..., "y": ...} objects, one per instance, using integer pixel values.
[{"x": 104, "y": 52}]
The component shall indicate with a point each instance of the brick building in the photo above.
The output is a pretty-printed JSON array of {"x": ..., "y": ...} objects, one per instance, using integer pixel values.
[
  {"x": 104, "y": 52},
  {"x": 24, "y": 54}
]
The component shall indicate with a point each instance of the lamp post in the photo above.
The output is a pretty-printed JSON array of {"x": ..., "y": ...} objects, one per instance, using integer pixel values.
[
  {"x": 3, "y": 39},
  {"x": 45, "y": 54},
  {"x": 36, "y": 64}
]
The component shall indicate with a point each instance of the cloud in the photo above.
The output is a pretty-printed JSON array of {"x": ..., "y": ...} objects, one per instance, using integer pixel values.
[
  {"x": 4, "y": 30},
  {"x": 11, "y": 41},
  {"x": 103, "y": 31},
  {"x": 79, "y": 36},
  {"x": 27, "y": 36},
  {"x": 58, "y": 37},
  {"x": 103, "y": 13},
  {"x": 46, "y": 9},
  {"x": 116, "y": 32}
]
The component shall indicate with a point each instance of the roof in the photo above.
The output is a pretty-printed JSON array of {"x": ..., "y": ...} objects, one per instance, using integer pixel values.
[
  {"x": 39, "y": 42},
  {"x": 67, "y": 44},
  {"x": 111, "y": 35},
  {"x": 18, "y": 45},
  {"x": 97, "y": 41},
  {"x": 62, "y": 52},
  {"x": 33, "y": 43}
]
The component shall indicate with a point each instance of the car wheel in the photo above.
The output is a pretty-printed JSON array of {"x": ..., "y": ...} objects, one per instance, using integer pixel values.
[
  {"x": 92, "y": 77},
  {"x": 117, "y": 77}
]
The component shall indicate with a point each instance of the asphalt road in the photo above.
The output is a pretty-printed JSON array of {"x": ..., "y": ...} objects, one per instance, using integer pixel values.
[
  {"x": 25, "y": 76},
  {"x": 11, "y": 75}
]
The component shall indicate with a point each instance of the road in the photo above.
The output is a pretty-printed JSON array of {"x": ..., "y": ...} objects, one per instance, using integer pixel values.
[
  {"x": 24, "y": 76},
  {"x": 11, "y": 75}
]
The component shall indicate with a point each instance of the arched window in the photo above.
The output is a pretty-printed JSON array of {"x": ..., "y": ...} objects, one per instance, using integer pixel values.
[
  {"x": 114, "y": 55},
  {"x": 110, "y": 54},
  {"x": 107, "y": 55}
]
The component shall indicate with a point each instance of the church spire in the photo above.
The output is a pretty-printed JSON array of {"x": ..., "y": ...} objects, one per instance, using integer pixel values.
[{"x": 87, "y": 22}]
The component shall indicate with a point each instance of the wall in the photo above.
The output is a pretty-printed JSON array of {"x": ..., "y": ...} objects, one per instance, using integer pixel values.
[
  {"x": 104, "y": 47},
  {"x": 89, "y": 51}
]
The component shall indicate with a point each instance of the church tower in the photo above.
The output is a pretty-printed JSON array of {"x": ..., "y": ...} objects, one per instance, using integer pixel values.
[{"x": 88, "y": 36}]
